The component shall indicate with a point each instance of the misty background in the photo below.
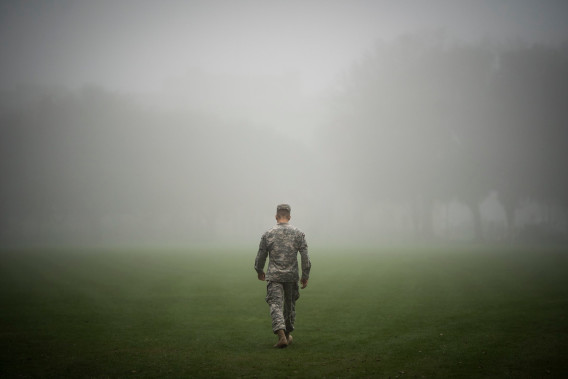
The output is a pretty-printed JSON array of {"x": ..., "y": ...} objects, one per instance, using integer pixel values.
[{"x": 180, "y": 122}]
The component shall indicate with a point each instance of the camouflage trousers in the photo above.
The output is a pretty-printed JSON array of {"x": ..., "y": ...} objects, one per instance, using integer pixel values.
[{"x": 281, "y": 297}]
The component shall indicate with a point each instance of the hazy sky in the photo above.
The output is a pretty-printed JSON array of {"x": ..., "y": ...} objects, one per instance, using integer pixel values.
[
  {"x": 217, "y": 84},
  {"x": 139, "y": 45}
]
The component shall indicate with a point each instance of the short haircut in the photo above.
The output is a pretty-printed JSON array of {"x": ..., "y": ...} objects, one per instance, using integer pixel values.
[{"x": 283, "y": 213}]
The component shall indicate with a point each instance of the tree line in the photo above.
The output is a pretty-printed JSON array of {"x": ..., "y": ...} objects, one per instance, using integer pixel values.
[
  {"x": 91, "y": 166},
  {"x": 428, "y": 121},
  {"x": 414, "y": 124}
]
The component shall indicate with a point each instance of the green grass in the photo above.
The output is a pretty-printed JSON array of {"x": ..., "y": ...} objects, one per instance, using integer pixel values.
[{"x": 366, "y": 313}]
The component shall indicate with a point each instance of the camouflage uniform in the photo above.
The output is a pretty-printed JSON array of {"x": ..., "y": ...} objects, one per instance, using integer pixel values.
[{"x": 282, "y": 243}]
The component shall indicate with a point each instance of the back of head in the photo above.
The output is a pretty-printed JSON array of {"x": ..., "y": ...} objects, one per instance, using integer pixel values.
[{"x": 283, "y": 212}]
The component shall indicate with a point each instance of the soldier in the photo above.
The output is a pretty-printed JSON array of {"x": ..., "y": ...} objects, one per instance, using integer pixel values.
[{"x": 282, "y": 243}]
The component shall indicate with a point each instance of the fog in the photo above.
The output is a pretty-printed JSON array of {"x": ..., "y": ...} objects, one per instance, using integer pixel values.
[{"x": 187, "y": 122}]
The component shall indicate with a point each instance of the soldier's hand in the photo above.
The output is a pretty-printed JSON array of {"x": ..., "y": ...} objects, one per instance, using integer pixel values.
[
  {"x": 304, "y": 283},
  {"x": 261, "y": 276}
]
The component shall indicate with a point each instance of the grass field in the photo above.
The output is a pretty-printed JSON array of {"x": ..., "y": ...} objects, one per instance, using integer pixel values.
[{"x": 469, "y": 312}]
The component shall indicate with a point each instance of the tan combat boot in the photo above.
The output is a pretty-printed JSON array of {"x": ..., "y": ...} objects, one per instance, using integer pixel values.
[
  {"x": 289, "y": 338},
  {"x": 282, "y": 341}
]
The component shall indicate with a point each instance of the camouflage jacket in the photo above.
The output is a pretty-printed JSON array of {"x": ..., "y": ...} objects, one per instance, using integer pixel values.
[{"x": 282, "y": 243}]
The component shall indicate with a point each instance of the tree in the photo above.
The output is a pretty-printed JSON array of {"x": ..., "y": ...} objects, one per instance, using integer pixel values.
[
  {"x": 406, "y": 114},
  {"x": 530, "y": 137}
]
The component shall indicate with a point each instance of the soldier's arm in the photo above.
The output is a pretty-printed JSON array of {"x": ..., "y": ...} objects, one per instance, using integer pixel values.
[
  {"x": 261, "y": 258},
  {"x": 306, "y": 264}
]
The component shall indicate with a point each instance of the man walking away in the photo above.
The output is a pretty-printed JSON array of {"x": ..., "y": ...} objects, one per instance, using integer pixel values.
[{"x": 281, "y": 244}]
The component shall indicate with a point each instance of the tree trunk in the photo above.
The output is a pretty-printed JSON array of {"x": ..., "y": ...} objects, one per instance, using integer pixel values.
[
  {"x": 417, "y": 227},
  {"x": 427, "y": 222},
  {"x": 476, "y": 214},
  {"x": 422, "y": 218},
  {"x": 509, "y": 206}
]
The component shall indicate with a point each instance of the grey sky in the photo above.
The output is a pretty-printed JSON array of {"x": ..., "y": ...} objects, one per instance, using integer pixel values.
[
  {"x": 222, "y": 109},
  {"x": 139, "y": 45}
]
